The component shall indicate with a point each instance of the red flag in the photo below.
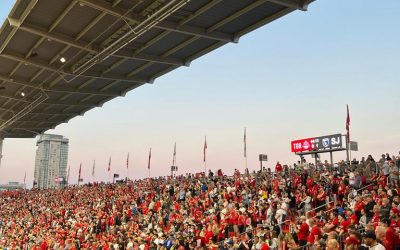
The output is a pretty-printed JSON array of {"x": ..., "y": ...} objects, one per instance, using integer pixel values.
[
  {"x": 348, "y": 125},
  {"x": 109, "y": 165},
  {"x": 204, "y": 149},
  {"x": 148, "y": 165},
  {"x": 244, "y": 141},
  {"x": 127, "y": 161}
]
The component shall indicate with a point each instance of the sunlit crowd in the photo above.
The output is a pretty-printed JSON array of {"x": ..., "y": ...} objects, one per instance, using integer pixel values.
[{"x": 354, "y": 205}]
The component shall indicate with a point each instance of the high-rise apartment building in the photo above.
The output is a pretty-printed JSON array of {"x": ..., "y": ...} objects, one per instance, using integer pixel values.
[{"x": 51, "y": 161}]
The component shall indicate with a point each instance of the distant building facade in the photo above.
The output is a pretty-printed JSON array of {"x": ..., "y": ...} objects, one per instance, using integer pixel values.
[
  {"x": 51, "y": 161},
  {"x": 12, "y": 186}
]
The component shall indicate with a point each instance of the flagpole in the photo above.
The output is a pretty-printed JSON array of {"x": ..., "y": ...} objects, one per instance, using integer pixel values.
[
  {"x": 109, "y": 169},
  {"x": 348, "y": 135},
  {"x": 80, "y": 171},
  {"x": 148, "y": 164},
  {"x": 93, "y": 167},
  {"x": 127, "y": 167},
  {"x": 173, "y": 161},
  {"x": 204, "y": 156},
  {"x": 349, "y": 154},
  {"x": 245, "y": 150},
  {"x": 245, "y": 164}
]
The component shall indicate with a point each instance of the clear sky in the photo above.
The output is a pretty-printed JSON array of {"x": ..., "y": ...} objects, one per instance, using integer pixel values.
[{"x": 288, "y": 80}]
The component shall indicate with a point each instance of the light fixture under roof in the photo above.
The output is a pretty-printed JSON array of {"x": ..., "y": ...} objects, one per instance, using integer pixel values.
[
  {"x": 22, "y": 94},
  {"x": 62, "y": 59}
]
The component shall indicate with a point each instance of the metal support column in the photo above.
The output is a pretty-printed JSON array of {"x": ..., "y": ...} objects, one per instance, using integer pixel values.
[{"x": 316, "y": 160}]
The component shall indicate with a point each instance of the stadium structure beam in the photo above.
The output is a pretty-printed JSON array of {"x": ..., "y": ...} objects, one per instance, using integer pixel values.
[
  {"x": 12, "y": 111},
  {"x": 165, "y": 54},
  {"x": 22, "y": 18},
  {"x": 200, "y": 11},
  {"x": 206, "y": 50},
  {"x": 22, "y": 135},
  {"x": 61, "y": 89},
  {"x": 84, "y": 31},
  {"x": 14, "y": 30},
  {"x": 49, "y": 102},
  {"x": 236, "y": 15},
  {"x": 16, "y": 23},
  {"x": 210, "y": 29},
  {"x": 203, "y": 9},
  {"x": 109, "y": 85},
  {"x": 22, "y": 127},
  {"x": 16, "y": 57},
  {"x": 34, "y": 120},
  {"x": 82, "y": 112},
  {"x": 264, "y": 21},
  {"x": 40, "y": 41},
  {"x": 165, "y": 25},
  {"x": 165, "y": 33},
  {"x": 95, "y": 48},
  {"x": 297, "y": 4}
]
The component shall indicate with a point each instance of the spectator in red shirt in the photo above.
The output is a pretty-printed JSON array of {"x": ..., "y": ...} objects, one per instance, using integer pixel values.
[
  {"x": 278, "y": 167},
  {"x": 392, "y": 240},
  {"x": 352, "y": 243},
  {"x": 315, "y": 232},
  {"x": 302, "y": 231},
  {"x": 344, "y": 224}
]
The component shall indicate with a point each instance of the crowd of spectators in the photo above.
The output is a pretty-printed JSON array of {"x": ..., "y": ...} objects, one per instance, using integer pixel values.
[{"x": 302, "y": 206}]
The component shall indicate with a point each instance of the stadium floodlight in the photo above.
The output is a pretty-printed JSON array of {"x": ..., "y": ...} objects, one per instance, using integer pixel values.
[
  {"x": 63, "y": 60},
  {"x": 22, "y": 94}
]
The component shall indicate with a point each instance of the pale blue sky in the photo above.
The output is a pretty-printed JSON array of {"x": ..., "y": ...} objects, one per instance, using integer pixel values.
[{"x": 288, "y": 80}]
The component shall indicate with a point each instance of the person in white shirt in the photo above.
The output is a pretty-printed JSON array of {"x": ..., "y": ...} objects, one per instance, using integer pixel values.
[
  {"x": 370, "y": 241},
  {"x": 352, "y": 178}
]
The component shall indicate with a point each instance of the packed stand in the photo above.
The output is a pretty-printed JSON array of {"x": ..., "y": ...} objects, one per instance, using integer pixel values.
[{"x": 304, "y": 206}]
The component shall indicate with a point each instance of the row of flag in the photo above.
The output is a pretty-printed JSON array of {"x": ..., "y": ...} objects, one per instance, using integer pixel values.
[
  {"x": 149, "y": 159},
  {"x": 204, "y": 151}
]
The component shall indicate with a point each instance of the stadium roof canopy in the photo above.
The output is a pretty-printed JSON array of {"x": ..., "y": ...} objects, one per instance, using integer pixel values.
[{"x": 59, "y": 59}]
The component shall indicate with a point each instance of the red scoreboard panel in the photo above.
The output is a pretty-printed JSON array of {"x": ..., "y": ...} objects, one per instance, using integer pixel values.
[{"x": 303, "y": 145}]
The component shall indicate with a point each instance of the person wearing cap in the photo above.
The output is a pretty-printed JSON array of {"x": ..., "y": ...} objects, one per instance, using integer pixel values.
[
  {"x": 371, "y": 242},
  {"x": 395, "y": 218},
  {"x": 352, "y": 243}
]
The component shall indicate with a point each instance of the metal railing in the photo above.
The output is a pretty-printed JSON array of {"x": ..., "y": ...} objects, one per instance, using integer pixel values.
[{"x": 151, "y": 20}]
